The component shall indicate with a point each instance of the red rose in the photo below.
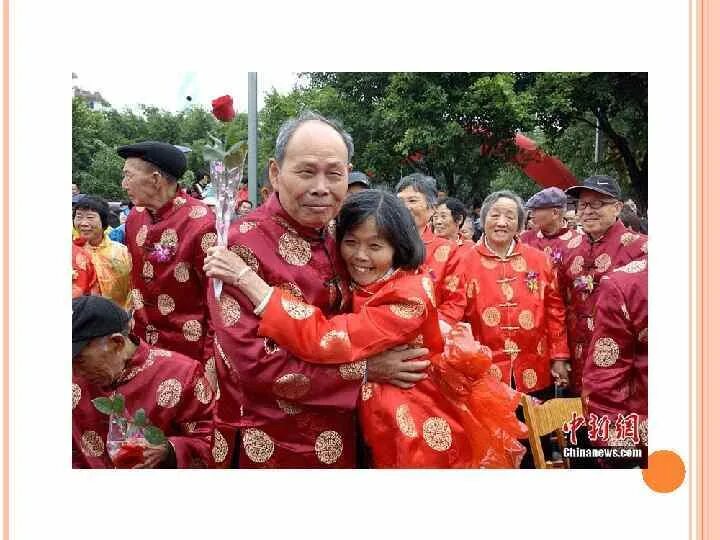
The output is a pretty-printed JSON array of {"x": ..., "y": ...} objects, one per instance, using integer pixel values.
[{"x": 223, "y": 108}]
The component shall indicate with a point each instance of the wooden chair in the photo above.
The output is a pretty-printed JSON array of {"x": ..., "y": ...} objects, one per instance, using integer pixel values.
[{"x": 548, "y": 417}]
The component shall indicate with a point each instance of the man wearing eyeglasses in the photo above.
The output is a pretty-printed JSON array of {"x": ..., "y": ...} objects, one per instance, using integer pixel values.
[{"x": 607, "y": 245}]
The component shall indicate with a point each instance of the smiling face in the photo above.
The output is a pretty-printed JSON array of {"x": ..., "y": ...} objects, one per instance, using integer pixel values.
[
  {"x": 596, "y": 222},
  {"x": 312, "y": 180},
  {"x": 89, "y": 225},
  {"x": 501, "y": 222},
  {"x": 367, "y": 255},
  {"x": 466, "y": 231},
  {"x": 443, "y": 223},
  {"x": 417, "y": 203}
]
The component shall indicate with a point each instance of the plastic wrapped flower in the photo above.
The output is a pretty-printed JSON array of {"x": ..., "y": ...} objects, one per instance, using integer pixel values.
[{"x": 531, "y": 280}]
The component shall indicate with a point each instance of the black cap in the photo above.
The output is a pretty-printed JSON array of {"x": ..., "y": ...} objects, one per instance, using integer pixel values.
[
  {"x": 94, "y": 317},
  {"x": 357, "y": 177},
  {"x": 166, "y": 157},
  {"x": 606, "y": 185}
]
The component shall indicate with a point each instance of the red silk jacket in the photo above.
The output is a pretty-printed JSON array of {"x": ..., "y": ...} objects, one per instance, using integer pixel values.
[
  {"x": 515, "y": 308},
  {"x": 168, "y": 295},
  {"x": 442, "y": 262},
  {"x": 176, "y": 396}
]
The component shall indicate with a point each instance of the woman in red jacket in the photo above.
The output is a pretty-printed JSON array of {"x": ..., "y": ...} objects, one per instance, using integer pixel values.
[{"x": 458, "y": 416}]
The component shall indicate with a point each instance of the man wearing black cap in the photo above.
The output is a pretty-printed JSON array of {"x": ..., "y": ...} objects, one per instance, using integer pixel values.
[
  {"x": 169, "y": 387},
  {"x": 551, "y": 233},
  {"x": 167, "y": 234},
  {"x": 607, "y": 245},
  {"x": 357, "y": 181}
]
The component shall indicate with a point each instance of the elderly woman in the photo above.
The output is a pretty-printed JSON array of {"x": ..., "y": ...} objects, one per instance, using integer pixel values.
[
  {"x": 111, "y": 259},
  {"x": 514, "y": 305},
  {"x": 448, "y": 221}
]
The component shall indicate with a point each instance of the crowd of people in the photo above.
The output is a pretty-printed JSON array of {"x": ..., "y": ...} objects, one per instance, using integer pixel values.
[{"x": 354, "y": 327}]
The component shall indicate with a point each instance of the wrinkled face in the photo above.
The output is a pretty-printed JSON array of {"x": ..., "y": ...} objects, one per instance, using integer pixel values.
[
  {"x": 466, "y": 231},
  {"x": 501, "y": 222},
  {"x": 596, "y": 221},
  {"x": 418, "y": 206},
  {"x": 546, "y": 218},
  {"x": 571, "y": 219},
  {"x": 88, "y": 224},
  {"x": 139, "y": 181},
  {"x": 367, "y": 255},
  {"x": 312, "y": 180},
  {"x": 444, "y": 225},
  {"x": 100, "y": 362}
]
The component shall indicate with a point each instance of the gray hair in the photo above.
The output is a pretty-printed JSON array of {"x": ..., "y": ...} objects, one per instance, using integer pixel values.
[
  {"x": 421, "y": 183},
  {"x": 290, "y": 126},
  {"x": 503, "y": 194}
]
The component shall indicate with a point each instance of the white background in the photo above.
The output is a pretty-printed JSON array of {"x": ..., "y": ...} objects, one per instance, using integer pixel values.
[{"x": 50, "y": 39}]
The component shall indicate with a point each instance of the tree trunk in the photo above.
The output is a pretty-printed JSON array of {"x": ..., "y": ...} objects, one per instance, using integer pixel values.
[
  {"x": 638, "y": 174},
  {"x": 450, "y": 182}
]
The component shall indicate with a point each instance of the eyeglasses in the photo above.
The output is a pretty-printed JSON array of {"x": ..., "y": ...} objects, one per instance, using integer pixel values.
[{"x": 595, "y": 205}]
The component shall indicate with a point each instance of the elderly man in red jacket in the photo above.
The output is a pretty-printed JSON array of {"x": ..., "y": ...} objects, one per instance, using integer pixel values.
[
  {"x": 606, "y": 245},
  {"x": 290, "y": 413}
]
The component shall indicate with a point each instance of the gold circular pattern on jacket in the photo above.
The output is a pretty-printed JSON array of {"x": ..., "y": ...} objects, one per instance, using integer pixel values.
[
  {"x": 633, "y": 267},
  {"x": 529, "y": 378},
  {"x": 211, "y": 372},
  {"x": 77, "y": 393},
  {"x": 220, "y": 447},
  {"x": 247, "y": 255},
  {"x": 526, "y": 319},
  {"x": 507, "y": 291},
  {"x": 148, "y": 272},
  {"x": 229, "y": 310},
  {"x": 294, "y": 250},
  {"x": 451, "y": 283},
  {"x": 628, "y": 238},
  {"x": 328, "y": 447},
  {"x": 182, "y": 272},
  {"x": 603, "y": 262},
  {"x": 491, "y": 316},
  {"x": 296, "y": 309},
  {"x": 333, "y": 339},
  {"x": 203, "y": 393},
  {"x": 92, "y": 444},
  {"x": 442, "y": 253},
  {"x": 575, "y": 242},
  {"x": 169, "y": 237},
  {"x": 643, "y": 336},
  {"x": 166, "y": 304},
  {"x": 288, "y": 407},
  {"x": 141, "y": 235},
  {"x": 488, "y": 262},
  {"x": 192, "y": 330},
  {"x": 168, "y": 393},
  {"x": 246, "y": 226},
  {"x": 437, "y": 434},
  {"x": 366, "y": 391},
  {"x": 136, "y": 298},
  {"x": 411, "y": 309},
  {"x": 353, "y": 371},
  {"x": 405, "y": 421},
  {"x": 207, "y": 241},
  {"x": 291, "y": 386},
  {"x": 179, "y": 201},
  {"x": 606, "y": 352},
  {"x": 293, "y": 289},
  {"x": 151, "y": 334},
  {"x": 512, "y": 348},
  {"x": 518, "y": 263},
  {"x": 565, "y": 236},
  {"x": 198, "y": 212},
  {"x": 577, "y": 265},
  {"x": 496, "y": 372},
  {"x": 541, "y": 347},
  {"x": 430, "y": 290}
]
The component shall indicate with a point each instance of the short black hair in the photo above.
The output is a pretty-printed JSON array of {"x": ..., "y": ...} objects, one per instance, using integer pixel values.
[
  {"x": 94, "y": 204},
  {"x": 201, "y": 173},
  {"x": 245, "y": 200},
  {"x": 457, "y": 209},
  {"x": 393, "y": 220}
]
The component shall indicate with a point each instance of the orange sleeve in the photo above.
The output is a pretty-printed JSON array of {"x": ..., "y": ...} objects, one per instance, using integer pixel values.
[
  {"x": 387, "y": 320},
  {"x": 451, "y": 290}
]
